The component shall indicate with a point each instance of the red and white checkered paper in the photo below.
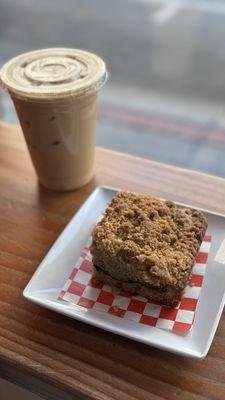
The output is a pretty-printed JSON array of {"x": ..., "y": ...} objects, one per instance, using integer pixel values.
[{"x": 81, "y": 289}]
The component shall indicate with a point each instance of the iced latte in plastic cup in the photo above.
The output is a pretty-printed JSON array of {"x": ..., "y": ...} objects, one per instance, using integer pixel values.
[{"x": 55, "y": 94}]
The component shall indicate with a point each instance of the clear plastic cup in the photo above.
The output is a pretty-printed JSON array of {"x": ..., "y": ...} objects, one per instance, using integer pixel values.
[{"x": 55, "y": 93}]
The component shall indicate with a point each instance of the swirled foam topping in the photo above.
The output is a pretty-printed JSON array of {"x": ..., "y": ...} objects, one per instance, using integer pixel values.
[{"x": 53, "y": 73}]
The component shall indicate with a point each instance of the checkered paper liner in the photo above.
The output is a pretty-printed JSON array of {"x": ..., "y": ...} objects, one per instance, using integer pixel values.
[{"x": 81, "y": 289}]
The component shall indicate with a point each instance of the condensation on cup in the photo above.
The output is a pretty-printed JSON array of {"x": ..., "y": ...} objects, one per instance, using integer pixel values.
[{"x": 55, "y": 93}]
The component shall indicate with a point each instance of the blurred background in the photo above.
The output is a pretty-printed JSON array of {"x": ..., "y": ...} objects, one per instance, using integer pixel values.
[{"x": 165, "y": 97}]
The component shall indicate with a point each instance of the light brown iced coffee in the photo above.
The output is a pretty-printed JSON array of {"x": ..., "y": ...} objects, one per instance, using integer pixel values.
[{"x": 55, "y": 95}]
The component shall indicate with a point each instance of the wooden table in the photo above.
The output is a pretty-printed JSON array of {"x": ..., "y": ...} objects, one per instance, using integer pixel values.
[{"x": 61, "y": 358}]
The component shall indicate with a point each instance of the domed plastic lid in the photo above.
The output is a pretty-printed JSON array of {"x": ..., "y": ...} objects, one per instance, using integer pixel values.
[{"x": 53, "y": 73}]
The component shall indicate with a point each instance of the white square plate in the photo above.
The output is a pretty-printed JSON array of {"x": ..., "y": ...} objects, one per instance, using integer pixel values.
[{"x": 48, "y": 280}]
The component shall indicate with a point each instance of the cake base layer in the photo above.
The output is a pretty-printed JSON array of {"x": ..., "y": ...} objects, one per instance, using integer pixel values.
[{"x": 169, "y": 296}]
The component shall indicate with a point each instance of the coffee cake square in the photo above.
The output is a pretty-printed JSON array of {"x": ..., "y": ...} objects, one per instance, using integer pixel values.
[{"x": 147, "y": 246}]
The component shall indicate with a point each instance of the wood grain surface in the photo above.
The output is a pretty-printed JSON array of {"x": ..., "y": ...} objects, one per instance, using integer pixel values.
[{"x": 61, "y": 358}]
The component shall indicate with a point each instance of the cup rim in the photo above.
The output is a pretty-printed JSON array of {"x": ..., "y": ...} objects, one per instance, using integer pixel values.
[{"x": 91, "y": 83}]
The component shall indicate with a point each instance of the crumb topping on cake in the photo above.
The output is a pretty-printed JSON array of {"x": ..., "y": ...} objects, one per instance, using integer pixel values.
[{"x": 156, "y": 236}]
